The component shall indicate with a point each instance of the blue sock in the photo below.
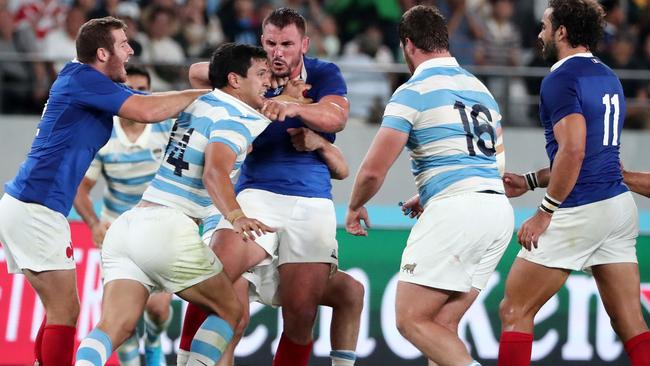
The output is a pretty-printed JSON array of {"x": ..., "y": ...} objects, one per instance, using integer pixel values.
[
  {"x": 129, "y": 352},
  {"x": 95, "y": 349},
  {"x": 343, "y": 357},
  {"x": 210, "y": 341}
]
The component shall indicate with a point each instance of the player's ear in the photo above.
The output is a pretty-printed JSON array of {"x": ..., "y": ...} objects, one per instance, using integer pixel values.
[
  {"x": 409, "y": 47},
  {"x": 305, "y": 44},
  {"x": 561, "y": 33},
  {"x": 233, "y": 80},
  {"x": 102, "y": 54}
]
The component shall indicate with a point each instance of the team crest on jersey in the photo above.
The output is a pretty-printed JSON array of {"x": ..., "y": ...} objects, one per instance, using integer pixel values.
[{"x": 409, "y": 268}]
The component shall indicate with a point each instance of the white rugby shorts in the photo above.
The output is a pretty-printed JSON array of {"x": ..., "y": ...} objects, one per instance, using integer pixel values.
[
  {"x": 458, "y": 241},
  {"x": 34, "y": 237},
  {"x": 159, "y": 247},
  {"x": 579, "y": 237},
  {"x": 306, "y": 227}
]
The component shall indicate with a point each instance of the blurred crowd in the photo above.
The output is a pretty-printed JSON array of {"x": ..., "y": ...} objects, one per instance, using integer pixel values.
[{"x": 168, "y": 35}]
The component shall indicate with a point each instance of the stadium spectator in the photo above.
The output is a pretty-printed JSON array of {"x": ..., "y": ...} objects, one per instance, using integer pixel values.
[
  {"x": 464, "y": 30},
  {"x": 240, "y": 22},
  {"x": 588, "y": 219},
  {"x": 59, "y": 45},
  {"x": 129, "y": 13},
  {"x": 107, "y": 8},
  {"x": 128, "y": 162},
  {"x": 40, "y": 17},
  {"x": 158, "y": 46},
  {"x": 14, "y": 75},
  {"x": 200, "y": 33},
  {"x": 501, "y": 42},
  {"x": 446, "y": 263}
]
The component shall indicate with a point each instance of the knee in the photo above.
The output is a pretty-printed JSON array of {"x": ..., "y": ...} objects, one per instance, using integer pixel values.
[
  {"x": 512, "y": 313},
  {"x": 351, "y": 296},
  {"x": 158, "y": 311},
  {"x": 65, "y": 313},
  {"x": 294, "y": 314},
  {"x": 406, "y": 324}
]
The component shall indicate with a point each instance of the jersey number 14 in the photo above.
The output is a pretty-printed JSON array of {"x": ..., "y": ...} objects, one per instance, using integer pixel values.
[{"x": 611, "y": 103}]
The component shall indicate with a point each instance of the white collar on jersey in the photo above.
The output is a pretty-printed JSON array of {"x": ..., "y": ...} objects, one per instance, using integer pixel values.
[
  {"x": 436, "y": 62},
  {"x": 141, "y": 141},
  {"x": 241, "y": 106},
  {"x": 303, "y": 72},
  {"x": 559, "y": 63}
]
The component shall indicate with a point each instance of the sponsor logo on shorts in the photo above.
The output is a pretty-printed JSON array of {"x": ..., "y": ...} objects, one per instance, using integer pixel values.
[
  {"x": 409, "y": 268},
  {"x": 334, "y": 255}
]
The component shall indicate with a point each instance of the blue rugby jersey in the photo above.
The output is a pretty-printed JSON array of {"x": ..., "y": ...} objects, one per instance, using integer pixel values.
[
  {"x": 77, "y": 121},
  {"x": 127, "y": 166},
  {"x": 274, "y": 164},
  {"x": 583, "y": 84},
  {"x": 213, "y": 117},
  {"x": 454, "y": 129}
]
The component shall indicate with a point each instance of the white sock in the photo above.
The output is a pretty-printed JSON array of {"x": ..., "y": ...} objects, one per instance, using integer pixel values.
[
  {"x": 474, "y": 363},
  {"x": 95, "y": 349},
  {"x": 181, "y": 357},
  {"x": 129, "y": 352},
  {"x": 343, "y": 357}
]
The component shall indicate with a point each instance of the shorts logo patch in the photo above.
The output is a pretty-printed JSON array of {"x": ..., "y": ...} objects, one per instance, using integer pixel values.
[
  {"x": 409, "y": 268},
  {"x": 334, "y": 255},
  {"x": 69, "y": 252}
]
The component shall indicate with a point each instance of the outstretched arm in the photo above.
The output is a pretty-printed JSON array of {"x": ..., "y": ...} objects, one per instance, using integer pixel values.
[
  {"x": 638, "y": 182},
  {"x": 384, "y": 150},
  {"x": 159, "y": 106}
]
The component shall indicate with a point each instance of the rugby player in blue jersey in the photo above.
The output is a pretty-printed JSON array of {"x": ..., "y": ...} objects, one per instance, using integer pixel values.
[
  {"x": 588, "y": 220},
  {"x": 156, "y": 245},
  {"x": 289, "y": 189},
  {"x": 128, "y": 162},
  {"x": 451, "y": 125},
  {"x": 76, "y": 122}
]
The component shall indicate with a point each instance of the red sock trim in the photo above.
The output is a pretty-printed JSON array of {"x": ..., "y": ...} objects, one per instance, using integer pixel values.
[
  {"x": 292, "y": 354},
  {"x": 58, "y": 345},
  {"x": 515, "y": 349},
  {"x": 512, "y": 337},
  {"x": 635, "y": 341},
  {"x": 194, "y": 317}
]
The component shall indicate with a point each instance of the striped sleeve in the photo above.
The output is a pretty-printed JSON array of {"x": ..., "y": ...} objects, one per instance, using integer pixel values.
[
  {"x": 401, "y": 111},
  {"x": 95, "y": 169},
  {"x": 233, "y": 134}
]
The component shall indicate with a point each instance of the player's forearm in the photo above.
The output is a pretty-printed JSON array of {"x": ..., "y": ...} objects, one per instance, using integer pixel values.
[
  {"x": 335, "y": 161},
  {"x": 219, "y": 186},
  {"x": 84, "y": 206},
  {"x": 638, "y": 182},
  {"x": 543, "y": 177},
  {"x": 199, "y": 75},
  {"x": 565, "y": 172},
  {"x": 366, "y": 185},
  {"x": 324, "y": 116},
  {"x": 158, "y": 107}
]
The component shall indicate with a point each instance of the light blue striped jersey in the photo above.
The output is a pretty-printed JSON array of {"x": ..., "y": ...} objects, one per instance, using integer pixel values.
[
  {"x": 454, "y": 129},
  {"x": 127, "y": 166},
  {"x": 213, "y": 117}
]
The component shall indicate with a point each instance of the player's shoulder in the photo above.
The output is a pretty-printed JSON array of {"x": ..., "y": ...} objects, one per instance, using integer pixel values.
[{"x": 318, "y": 66}]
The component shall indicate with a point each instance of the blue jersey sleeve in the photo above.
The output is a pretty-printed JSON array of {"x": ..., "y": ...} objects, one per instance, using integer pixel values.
[
  {"x": 560, "y": 96},
  {"x": 330, "y": 82},
  {"x": 96, "y": 91}
]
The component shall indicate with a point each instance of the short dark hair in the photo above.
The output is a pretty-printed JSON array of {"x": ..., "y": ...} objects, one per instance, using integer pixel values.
[
  {"x": 583, "y": 20},
  {"x": 283, "y": 17},
  {"x": 138, "y": 70},
  {"x": 96, "y": 34},
  {"x": 232, "y": 57},
  {"x": 426, "y": 27}
]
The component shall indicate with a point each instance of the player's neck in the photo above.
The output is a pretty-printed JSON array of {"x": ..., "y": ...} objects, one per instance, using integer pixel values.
[
  {"x": 421, "y": 57},
  {"x": 133, "y": 130},
  {"x": 295, "y": 73},
  {"x": 564, "y": 52}
]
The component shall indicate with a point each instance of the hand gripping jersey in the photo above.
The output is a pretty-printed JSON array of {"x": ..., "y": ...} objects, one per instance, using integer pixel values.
[
  {"x": 584, "y": 85},
  {"x": 77, "y": 121},
  {"x": 213, "y": 117},
  {"x": 275, "y": 165},
  {"x": 454, "y": 129}
]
